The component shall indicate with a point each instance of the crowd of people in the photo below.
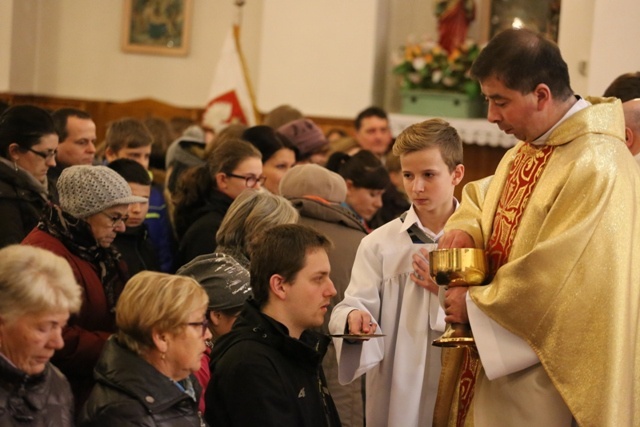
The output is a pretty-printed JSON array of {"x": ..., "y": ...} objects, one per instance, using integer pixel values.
[{"x": 278, "y": 275}]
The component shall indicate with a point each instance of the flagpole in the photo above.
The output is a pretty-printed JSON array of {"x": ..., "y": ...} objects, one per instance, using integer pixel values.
[
  {"x": 236, "y": 36},
  {"x": 239, "y": 4}
]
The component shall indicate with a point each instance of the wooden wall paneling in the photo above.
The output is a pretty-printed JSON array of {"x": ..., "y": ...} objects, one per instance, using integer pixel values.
[{"x": 480, "y": 161}]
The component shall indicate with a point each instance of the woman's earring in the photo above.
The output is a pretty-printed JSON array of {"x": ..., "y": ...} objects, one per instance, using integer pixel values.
[{"x": 15, "y": 166}]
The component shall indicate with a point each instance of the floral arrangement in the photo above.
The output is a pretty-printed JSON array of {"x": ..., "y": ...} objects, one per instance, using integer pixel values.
[{"x": 426, "y": 65}]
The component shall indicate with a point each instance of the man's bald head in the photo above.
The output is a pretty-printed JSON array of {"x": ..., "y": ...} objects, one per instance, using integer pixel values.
[{"x": 632, "y": 124}]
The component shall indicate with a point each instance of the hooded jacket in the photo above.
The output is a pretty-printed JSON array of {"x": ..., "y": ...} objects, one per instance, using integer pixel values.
[{"x": 261, "y": 376}]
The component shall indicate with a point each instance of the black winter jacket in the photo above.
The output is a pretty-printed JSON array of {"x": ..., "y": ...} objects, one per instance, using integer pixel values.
[
  {"x": 42, "y": 400},
  {"x": 131, "y": 392},
  {"x": 21, "y": 205},
  {"x": 261, "y": 376},
  {"x": 137, "y": 250},
  {"x": 199, "y": 236}
]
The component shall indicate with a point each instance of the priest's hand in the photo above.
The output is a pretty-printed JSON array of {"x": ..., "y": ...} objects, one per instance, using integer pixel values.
[
  {"x": 456, "y": 239},
  {"x": 455, "y": 305},
  {"x": 420, "y": 275}
]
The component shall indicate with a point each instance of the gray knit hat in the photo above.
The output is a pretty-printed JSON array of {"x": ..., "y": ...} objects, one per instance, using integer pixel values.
[
  {"x": 86, "y": 190},
  {"x": 313, "y": 180},
  {"x": 222, "y": 277}
]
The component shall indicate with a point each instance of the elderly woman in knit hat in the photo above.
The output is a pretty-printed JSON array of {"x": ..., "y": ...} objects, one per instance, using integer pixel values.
[
  {"x": 94, "y": 204},
  {"x": 227, "y": 285}
]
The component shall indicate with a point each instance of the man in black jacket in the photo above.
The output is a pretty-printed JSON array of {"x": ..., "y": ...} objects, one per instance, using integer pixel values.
[{"x": 267, "y": 371}]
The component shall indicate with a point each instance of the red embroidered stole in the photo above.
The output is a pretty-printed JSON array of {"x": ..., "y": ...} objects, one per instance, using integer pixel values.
[
  {"x": 523, "y": 177},
  {"x": 527, "y": 167}
]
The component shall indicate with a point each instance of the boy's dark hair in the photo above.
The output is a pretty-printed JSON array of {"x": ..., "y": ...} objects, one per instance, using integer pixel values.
[
  {"x": 626, "y": 87},
  {"x": 363, "y": 169},
  {"x": 24, "y": 125},
  {"x": 282, "y": 250},
  {"x": 522, "y": 59},
  {"x": 127, "y": 133},
  {"x": 428, "y": 134},
  {"x": 61, "y": 116},
  {"x": 369, "y": 112},
  {"x": 131, "y": 171}
]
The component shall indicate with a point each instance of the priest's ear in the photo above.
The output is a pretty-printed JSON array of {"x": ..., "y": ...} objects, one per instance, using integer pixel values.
[
  {"x": 628, "y": 137},
  {"x": 543, "y": 95}
]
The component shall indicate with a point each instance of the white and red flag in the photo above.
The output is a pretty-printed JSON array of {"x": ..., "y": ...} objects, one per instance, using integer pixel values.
[{"x": 231, "y": 97}]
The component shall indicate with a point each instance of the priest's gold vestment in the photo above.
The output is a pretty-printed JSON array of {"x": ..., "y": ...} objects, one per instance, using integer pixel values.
[{"x": 571, "y": 285}]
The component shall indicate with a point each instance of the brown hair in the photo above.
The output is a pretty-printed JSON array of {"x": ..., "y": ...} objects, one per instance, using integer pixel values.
[
  {"x": 283, "y": 250},
  {"x": 428, "y": 134},
  {"x": 196, "y": 183},
  {"x": 127, "y": 133}
]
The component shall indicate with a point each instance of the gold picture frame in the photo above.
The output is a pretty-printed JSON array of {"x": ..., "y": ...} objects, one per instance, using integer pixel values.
[{"x": 160, "y": 27}]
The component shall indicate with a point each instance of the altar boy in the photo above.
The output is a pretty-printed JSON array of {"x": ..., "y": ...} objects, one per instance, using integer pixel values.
[{"x": 390, "y": 291}]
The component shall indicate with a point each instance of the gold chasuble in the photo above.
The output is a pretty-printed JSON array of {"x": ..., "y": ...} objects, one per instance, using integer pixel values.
[
  {"x": 566, "y": 253},
  {"x": 460, "y": 366}
]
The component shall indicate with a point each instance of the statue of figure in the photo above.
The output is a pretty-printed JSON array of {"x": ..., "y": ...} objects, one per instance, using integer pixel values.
[{"x": 454, "y": 18}]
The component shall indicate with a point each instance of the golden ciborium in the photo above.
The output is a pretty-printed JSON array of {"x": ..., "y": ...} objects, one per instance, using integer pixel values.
[{"x": 457, "y": 267}]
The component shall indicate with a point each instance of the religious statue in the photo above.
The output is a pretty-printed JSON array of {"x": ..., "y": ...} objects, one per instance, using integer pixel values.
[{"x": 454, "y": 18}]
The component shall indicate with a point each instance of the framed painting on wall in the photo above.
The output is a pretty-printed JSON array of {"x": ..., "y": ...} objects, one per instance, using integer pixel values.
[{"x": 159, "y": 27}]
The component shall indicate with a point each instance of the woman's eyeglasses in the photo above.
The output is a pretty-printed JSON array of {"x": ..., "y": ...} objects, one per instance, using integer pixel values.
[
  {"x": 47, "y": 156},
  {"x": 202, "y": 324},
  {"x": 116, "y": 218},
  {"x": 250, "y": 180}
]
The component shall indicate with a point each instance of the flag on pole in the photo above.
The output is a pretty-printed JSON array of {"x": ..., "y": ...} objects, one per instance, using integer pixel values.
[{"x": 231, "y": 98}]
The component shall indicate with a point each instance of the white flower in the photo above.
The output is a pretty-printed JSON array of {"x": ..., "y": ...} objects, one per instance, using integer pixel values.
[
  {"x": 418, "y": 63},
  {"x": 414, "y": 78},
  {"x": 449, "y": 81},
  {"x": 428, "y": 45},
  {"x": 436, "y": 76}
]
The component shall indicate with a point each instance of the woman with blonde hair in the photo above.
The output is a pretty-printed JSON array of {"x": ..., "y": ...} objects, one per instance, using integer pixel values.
[
  {"x": 144, "y": 375},
  {"x": 37, "y": 294},
  {"x": 249, "y": 216}
]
